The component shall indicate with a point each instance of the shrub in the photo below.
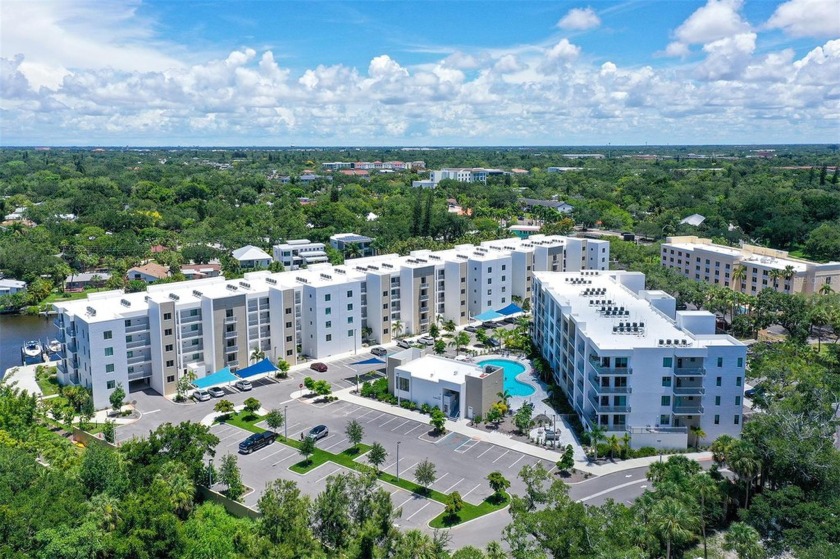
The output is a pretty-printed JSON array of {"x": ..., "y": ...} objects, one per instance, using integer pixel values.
[
  {"x": 426, "y": 408},
  {"x": 643, "y": 452}
]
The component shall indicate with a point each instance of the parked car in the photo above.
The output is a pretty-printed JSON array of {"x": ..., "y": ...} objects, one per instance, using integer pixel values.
[
  {"x": 244, "y": 385},
  {"x": 404, "y": 344},
  {"x": 201, "y": 396},
  {"x": 426, "y": 340},
  {"x": 319, "y": 367},
  {"x": 472, "y": 329},
  {"x": 379, "y": 351},
  {"x": 318, "y": 432},
  {"x": 510, "y": 320},
  {"x": 256, "y": 442},
  {"x": 492, "y": 342},
  {"x": 216, "y": 392},
  {"x": 490, "y": 325}
]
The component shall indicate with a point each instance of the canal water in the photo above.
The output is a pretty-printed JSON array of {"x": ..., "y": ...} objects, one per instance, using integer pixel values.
[{"x": 15, "y": 330}]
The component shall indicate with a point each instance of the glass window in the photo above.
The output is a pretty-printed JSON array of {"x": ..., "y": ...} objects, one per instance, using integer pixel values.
[
  {"x": 664, "y": 419},
  {"x": 717, "y": 400},
  {"x": 717, "y": 420},
  {"x": 109, "y": 351},
  {"x": 329, "y": 337},
  {"x": 666, "y": 400},
  {"x": 349, "y": 306},
  {"x": 170, "y": 363},
  {"x": 740, "y": 362},
  {"x": 107, "y": 334},
  {"x": 328, "y": 311},
  {"x": 737, "y": 381},
  {"x": 667, "y": 361},
  {"x": 403, "y": 384},
  {"x": 350, "y": 333},
  {"x": 666, "y": 381},
  {"x": 720, "y": 361},
  {"x": 169, "y": 347},
  {"x": 168, "y": 315},
  {"x": 109, "y": 368},
  {"x": 737, "y": 400},
  {"x": 349, "y": 292},
  {"x": 718, "y": 381},
  {"x": 111, "y": 384},
  {"x": 737, "y": 420},
  {"x": 327, "y": 297},
  {"x": 329, "y": 324},
  {"x": 170, "y": 378}
]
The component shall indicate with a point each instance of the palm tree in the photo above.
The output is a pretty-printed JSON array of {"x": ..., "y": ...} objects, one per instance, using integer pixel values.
[
  {"x": 398, "y": 328},
  {"x": 739, "y": 274},
  {"x": 746, "y": 466},
  {"x": 352, "y": 250},
  {"x": 698, "y": 433},
  {"x": 744, "y": 540},
  {"x": 673, "y": 521},
  {"x": 504, "y": 396},
  {"x": 775, "y": 275},
  {"x": 460, "y": 340},
  {"x": 257, "y": 354},
  {"x": 825, "y": 289},
  {"x": 707, "y": 490},
  {"x": 596, "y": 434},
  {"x": 788, "y": 275},
  {"x": 615, "y": 446}
]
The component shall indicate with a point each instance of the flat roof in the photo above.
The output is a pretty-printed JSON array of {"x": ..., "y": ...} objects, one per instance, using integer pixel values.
[{"x": 433, "y": 368}]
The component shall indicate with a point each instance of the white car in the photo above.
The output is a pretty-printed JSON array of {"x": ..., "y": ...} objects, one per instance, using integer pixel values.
[
  {"x": 201, "y": 396},
  {"x": 244, "y": 385}
]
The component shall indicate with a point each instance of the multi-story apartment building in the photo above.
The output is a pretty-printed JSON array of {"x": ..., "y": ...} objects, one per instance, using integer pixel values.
[
  {"x": 748, "y": 268},
  {"x": 299, "y": 252},
  {"x": 629, "y": 362},
  {"x": 201, "y": 326},
  {"x": 343, "y": 242}
]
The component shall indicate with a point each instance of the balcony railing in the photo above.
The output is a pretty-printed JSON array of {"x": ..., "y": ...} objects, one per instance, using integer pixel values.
[
  {"x": 688, "y": 410},
  {"x": 139, "y": 358},
  {"x": 689, "y": 391},
  {"x": 600, "y": 408},
  {"x": 231, "y": 334},
  {"x": 689, "y": 371},
  {"x": 602, "y": 370},
  {"x": 136, "y": 343},
  {"x": 136, "y": 328},
  {"x": 137, "y": 375},
  {"x": 230, "y": 320}
]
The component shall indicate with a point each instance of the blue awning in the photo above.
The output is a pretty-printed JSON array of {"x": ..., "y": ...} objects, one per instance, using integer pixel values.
[
  {"x": 488, "y": 315},
  {"x": 510, "y": 309},
  {"x": 367, "y": 365},
  {"x": 263, "y": 367},
  {"x": 371, "y": 361},
  {"x": 215, "y": 379}
]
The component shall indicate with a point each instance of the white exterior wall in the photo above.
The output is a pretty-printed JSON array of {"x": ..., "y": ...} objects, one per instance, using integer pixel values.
[
  {"x": 424, "y": 391},
  {"x": 93, "y": 362},
  {"x": 455, "y": 283},
  {"x": 345, "y": 330}
]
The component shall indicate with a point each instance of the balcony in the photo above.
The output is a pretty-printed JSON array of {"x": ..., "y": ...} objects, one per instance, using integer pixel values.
[
  {"x": 139, "y": 358},
  {"x": 689, "y": 371},
  {"x": 682, "y": 409},
  {"x": 234, "y": 363},
  {"x": 58, "y": 323},
  {"x": 600, "y": 408},
  {"x": 232, "y": 347},
  {"x": 424, "y": 298},
  {"x": 71, "y": 346},
  {"x": 137, "y": 343},
  {"x": 141, "y": 374},
  {"x": 137, "y": 328},
  {"x": 231, "y": 334},
  {"x": 689, "y": 391},
  {"x": 602, "y": 370},
  {"x": 187, "y": 319},
  {"x": 230, "y": 320}
]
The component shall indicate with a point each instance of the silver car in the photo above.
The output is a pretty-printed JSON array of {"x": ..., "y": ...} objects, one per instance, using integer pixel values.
[{"x": 201, "y": 396}]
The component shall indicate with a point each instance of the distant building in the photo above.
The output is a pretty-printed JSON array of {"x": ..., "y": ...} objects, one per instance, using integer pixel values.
[
  {"x": 702, "y": 260},
  {"x": 563, "y": 169},
  {"x": 250, "y": 257},
  {"x": 11, "y": 286},
  {"x": 299, "y": 252},
  {"x": 200, "y": 271},
  {"x": 85, "y": 280},
  {"x": 150, "y": 272},
  {"x": 342, "y": 242},
  {"x": 693, "y": 219},
  {"x": 355, "y": 173},
  {"x": 560, "y": 206},
  {"x": 428, "y": 183}
]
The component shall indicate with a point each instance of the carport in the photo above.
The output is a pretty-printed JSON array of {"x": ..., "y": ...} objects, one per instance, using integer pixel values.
[
  {"x": 258, "y": 370},
  {"x": 219, "y": 378},
  {"x": 487, "y": 316},
  {"x": 366, "y": 366}
]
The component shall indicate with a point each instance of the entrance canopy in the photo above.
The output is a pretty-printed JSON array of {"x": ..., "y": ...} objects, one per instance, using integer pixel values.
[
  {"x": 257, "y": 370},
  {"x": 488, "y": 315},
  {"x": 219, "y": 378},
  {"x": 367, "y": 365},
  {"x": 510, "y": 310}
]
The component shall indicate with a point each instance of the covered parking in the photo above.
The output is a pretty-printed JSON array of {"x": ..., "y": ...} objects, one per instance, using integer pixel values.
[{"x": 223, "y": 377}]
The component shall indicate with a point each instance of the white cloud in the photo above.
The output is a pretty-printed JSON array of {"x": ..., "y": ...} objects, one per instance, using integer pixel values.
[
  {"x": 727, "y": 58},
  {"x": 716, "y": 20},
  {"x": 676, "y": 48},
  {"x": 563, "y": 51},
  {"x": 807, "y": 18},
  {"x": 507, "y": 64},
  {"x": 579, "y": 19}
]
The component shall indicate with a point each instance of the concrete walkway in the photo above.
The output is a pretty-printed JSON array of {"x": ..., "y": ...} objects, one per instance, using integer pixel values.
[
  {"x": 506, "y": 441},
  {"x": 23, "y": 377}
]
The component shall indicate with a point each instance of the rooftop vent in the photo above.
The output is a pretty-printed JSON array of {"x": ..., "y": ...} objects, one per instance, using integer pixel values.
[
  {"x": 174, "y": 297},
  {"x": 197, "y": 293},
  {"x": 125, "y": 302}
]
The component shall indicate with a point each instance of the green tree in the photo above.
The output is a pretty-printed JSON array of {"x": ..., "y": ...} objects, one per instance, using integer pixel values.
[
  {"x": 499, "y": 484},
  {"x": 434, "y": 331},
  {"x": 230, "y": 476},
  {"x": 425, "y": 475},
  {"x": 283, "y": 367},
  {"x": 274, "y": 419},
  {"x": 522, "y": 418},
  {"x": 355, "y": 432},
  {"x": 223, "y": 407},
  {"x": 285, "y": 520},
  {"x": 117, "y": 397},
  {"x": 438, "y": 421},
  {"x": 102, "y": 471},
  {"x": 708, "y": 493},
  {"x": 440, "y": 347},
  {"x": 699, "y": 434},
  {"x": 461, "y": 339},
  {"x": 744, "y": 540},
  {"x": 178, "y": 487},
  {"x": 454, "y": 504},
  {"x": 672, "y": 521},
  {"x": 376, "y": 456},
  {"x": 567, "y": 460},
  {"x": 596, "y": 435},
  {"x": 307, "y": 448},
  {"x": 252, "y": 405}
]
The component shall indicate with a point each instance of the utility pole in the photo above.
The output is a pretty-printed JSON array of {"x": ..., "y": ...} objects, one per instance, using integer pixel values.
[
  {"x": 286, "y": 422},
  {"x": 398, "y": 461}
]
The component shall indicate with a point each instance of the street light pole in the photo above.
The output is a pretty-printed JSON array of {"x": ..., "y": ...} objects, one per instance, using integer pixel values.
[
  {"x": 210, "y": 473},
  {"x": 286, "y": 422},
  {"x": 398, "y": 461},
  {"x": 555, "y": 429}
]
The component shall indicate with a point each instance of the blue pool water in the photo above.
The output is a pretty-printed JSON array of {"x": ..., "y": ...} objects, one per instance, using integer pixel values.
[{"x": 512, "y": 369}]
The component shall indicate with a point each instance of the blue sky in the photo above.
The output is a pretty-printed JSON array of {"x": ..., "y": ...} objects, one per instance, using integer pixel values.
[{"x": 130, "y": 72}]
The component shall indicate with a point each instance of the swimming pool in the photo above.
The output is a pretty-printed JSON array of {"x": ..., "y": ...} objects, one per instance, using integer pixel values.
[{"x": 512, "y": 369}]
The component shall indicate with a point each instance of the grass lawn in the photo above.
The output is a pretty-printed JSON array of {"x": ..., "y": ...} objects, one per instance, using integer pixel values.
[
  {"x": 347, "y": 458},
  {"x": 58, "y": 296},
  {"x": 47, "y": 381}
]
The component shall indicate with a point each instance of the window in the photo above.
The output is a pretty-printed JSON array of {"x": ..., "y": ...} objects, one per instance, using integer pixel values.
[
  {"x": 288, "y": 352},
  {"x": 167, "y": 332},
  {"x": 168, "y": 315},
  {"x": 228, "y": 313},
  {"x": 109, "y": 368},
  {"x": 231, "y": 342},
  {"x": 229, "y": 328},
  {"x": 329, "y": 324},
  {"x": 109, "y": 351},
  {"x": 504, "y": 267},
  {"x": 403, "y": 384},
  {"x": 349, "y": 306},
  {"x": 170, "y": 363},
  {"x": 489, "y": 303},
  {"x": 194, "y": 328},
  {"x": 718, "y": 381},
  {"x": 737, "y": 381},
  {"x": 720, "y": 361},
  {"x": 666, "y": 401},
  {"x": 128, "y": 339},
  {"x": 328, "y": 311},
  {"x": 327, "y": 297},
  {"x": 350, "y": 333},
  {"x": 667, "y": 361},
  {"x": 131, "y": 369},
  {"x": 737, "y": 400},
  {"x": 170, "y": 378},
  {"x": 666, "y": 381},
  {"x": 111, "y": 384},
  {"x": 289, "y": 311},
  {"x": 196, "y": 356},
  {"x": 230, "y": 357},
  {"x": 717, "y": 420},
  {"x": 489, "y": 291},
  {"x": 107, "y": 335},
  {"x": 349, "y": 292},
  {"x": 740, "y": 362},
  {"x": 664, "y": 419},
  {"x": 129, "y": 354},
  {"x": 193, "y": 312},
  {"x": 288, "y": 338},
  {"x": 169, "y": 347},
  {"x": 737, "y": 420},
  {"x": 329, "y": 337},
  {"x": 717, "y": 400}
]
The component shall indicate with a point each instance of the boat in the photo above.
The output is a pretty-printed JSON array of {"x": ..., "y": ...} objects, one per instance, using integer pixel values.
[
  {"x": 32, "y": 352},
  {"x": 54, "y": 346}
]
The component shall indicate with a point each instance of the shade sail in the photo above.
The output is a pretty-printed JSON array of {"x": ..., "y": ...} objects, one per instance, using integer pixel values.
[
  {"x": 263, "y": 368},
  {"x": 510, "y": 309},
  {"x": 371, "y": 364},
  {"x": 488, "y": 315},
  {"x": 218, "y": 378}
]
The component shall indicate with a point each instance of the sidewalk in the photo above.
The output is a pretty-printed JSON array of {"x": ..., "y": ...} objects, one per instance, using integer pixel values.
[
  {"x": 506, "y": 441},
  {"x": 23, "y": 376}
]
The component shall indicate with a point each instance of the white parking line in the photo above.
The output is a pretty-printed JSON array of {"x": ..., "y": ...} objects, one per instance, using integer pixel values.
[
  {"x": 286, "y": 458},
  {"x": 614, "y": 488},
  {"x": 464, "y": 496},
  {"x": 463, "y": 445},
  {"x": 500, "y": 457},
  {"x": 389, "y": 421},
  {"x": 336, "y": 444},
  {"x": 148, "y": 412},
  {"x": 366, "y": 414},
  {"x": 328, "y": 475},
  {"x": 517, "y": 461},
  {"x": 404, "y": 502},
  {"x": 406, "y": 470},
  {"x": 228, "y": 437},
  {"x": 273, "y": 453},
  {"x": 418, "y": 511},
  {"x": 438, "y": 480},
  {"x": 453, "y": 486},
  {"x": 375, "y": 418},
  {"x": 400, "y": 425},
  {"x": 486, "y": 451},
  {"x": 417, "y": 427}
]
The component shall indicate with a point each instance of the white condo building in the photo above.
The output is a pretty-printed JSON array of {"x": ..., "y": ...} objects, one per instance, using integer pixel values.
[
  {"x": 629, "y": 362},
  {"x": 299, "y": 253},
  {"x": 155, "y": 337}
]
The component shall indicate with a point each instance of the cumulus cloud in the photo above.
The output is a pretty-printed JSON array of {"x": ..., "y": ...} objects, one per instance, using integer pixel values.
[
  {"x": 563, "y": 51},
  {"x": 716, "y": 20},
  {"x": 807, "y": 18},
  {"x": 727, "y": 58},
  {"x": 579, "y": 19}
]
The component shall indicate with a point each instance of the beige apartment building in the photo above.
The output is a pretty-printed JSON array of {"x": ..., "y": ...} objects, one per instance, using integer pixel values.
[{"x": 748, "y": 268}]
